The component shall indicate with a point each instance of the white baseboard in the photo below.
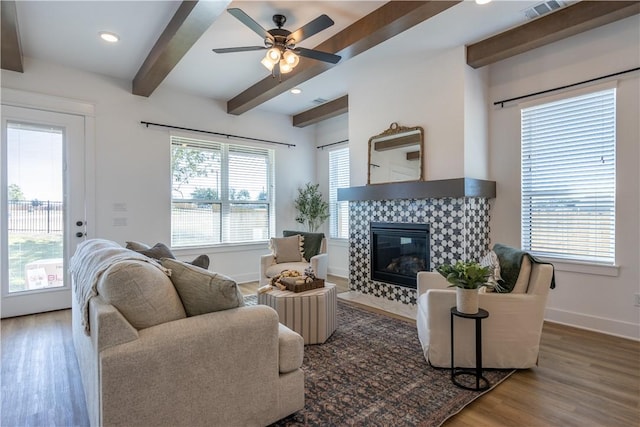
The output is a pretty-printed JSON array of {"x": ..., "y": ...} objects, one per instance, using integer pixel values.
[
  {"x": 246, "y": 277},
  {"x": 593, "y": 323},
  {"x": 395, "y": 307},
  {"x": 340, "y": 272}
]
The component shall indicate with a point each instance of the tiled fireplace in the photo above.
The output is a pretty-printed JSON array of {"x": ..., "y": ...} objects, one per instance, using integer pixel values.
[
  {"x": 398, "y": 251},
  {"x": 458, "y": 229}
]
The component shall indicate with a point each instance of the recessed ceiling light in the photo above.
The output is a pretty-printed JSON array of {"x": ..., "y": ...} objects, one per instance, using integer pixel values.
[
  {"x": 482, "y": 1},
  {"x": 109, "y": 37},
  {"x": 296, "y": 90}
]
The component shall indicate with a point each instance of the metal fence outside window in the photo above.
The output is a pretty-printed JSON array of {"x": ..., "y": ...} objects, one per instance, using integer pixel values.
[{"x": 35, "y": 216}]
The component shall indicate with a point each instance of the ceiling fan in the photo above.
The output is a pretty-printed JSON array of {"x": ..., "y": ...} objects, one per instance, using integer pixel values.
[{"x": 282, "y": 52}]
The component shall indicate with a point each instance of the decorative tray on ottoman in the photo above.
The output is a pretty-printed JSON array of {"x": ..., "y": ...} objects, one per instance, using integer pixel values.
[{"x": 298, "y": 284}]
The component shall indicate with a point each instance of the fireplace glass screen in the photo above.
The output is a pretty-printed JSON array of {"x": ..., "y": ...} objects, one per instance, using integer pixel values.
[{"x": 398, "y": 252}]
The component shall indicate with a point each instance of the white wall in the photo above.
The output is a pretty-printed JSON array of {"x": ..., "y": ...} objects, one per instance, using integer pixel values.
[
  {"x": 132, "y": 162},
  {"x": 413, "y": 91},
  {"x": 327, "y": 132},
  {"x": 582, "y": 298},
  {"x": 476, "y": 118}
]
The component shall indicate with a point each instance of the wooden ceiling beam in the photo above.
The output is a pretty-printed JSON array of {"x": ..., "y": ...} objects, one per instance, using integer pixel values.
[
  {"x": 383, "y": 23},
  {"x": 565, "y": 22},
  {"x": 322, "y": 112},
  {"x": 11, "y": 57},
  {"x": 188, "y": 24}
]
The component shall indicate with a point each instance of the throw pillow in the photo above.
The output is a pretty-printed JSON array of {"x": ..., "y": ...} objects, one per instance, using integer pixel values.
[
  {"x": 287, "y": 249},
  {"x": 312, "y": 242},
  {"x": 491, "y": 260},
  {"x": 201, "y": 261},
  {"x": 202, "y": 291},
  {"x": 522, "y": 283},
  {"x": 515, "y": 268},
  {"x": 160, "y": 250},
  {"x": 141, "y": 292},
  {"x": 137, "y": 246}
]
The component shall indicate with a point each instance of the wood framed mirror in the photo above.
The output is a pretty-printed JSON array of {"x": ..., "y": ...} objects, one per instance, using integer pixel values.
[{"x": 395, "y": 155}]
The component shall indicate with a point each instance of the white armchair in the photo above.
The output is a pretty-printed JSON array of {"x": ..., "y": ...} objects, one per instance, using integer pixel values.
[
  {"x": 510, "y": 335},
  {"x": 320, "y": 262}
]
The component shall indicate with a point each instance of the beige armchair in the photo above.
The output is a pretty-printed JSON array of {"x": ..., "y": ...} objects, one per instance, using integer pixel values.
[
  {"x": 269, "y": 265},
  {"x": 511, "y": 333}
]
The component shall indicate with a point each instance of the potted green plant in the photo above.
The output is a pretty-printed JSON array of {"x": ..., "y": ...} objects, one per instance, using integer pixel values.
[
  {"x": 312, "y": 209},
  {"x": 467, "y": 277}
]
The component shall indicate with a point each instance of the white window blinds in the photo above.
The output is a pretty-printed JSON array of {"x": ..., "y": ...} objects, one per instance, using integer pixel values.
[
  {"x": 568, "y": 178},
  {"x": 221, "y": 193},
  {"x": 338, "y": 178},
  {"x": 248, "y": 214}
]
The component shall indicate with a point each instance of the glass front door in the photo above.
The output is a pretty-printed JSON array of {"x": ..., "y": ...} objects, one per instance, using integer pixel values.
[
  {"x": 34, "y": 206},
  {"x": 42, "y": 205}
]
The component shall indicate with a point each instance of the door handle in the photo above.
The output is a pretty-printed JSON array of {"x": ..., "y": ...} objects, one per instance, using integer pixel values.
[
  {"x": 80, "y": 234},
  {"x": 79, "y": 223}
]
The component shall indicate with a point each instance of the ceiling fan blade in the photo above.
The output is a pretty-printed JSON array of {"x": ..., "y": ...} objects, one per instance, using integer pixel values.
[
  {"x": 316, "y": 54},
  {"x": 238, "y": 49},
  {"x": 249, "y": 22},
  {"x": 322, "y": 22}
]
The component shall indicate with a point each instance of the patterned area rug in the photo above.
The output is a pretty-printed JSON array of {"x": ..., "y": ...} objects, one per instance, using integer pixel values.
[{"x": 371, "y": 371}]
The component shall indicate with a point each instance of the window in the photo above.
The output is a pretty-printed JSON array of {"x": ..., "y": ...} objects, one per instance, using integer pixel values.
[
  {"x": 338, "y": 178},
  {"x": 568, "y": 178},
  {"x": 221, "y": 193}
]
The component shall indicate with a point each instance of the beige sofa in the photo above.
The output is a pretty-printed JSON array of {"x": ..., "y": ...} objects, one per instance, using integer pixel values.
[
  {"x": 510, "y": 335},
  {"x": 235, "y": 367}
]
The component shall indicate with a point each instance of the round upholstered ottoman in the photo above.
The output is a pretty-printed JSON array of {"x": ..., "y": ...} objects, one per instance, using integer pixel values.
[{"x": 312, "y": 313}]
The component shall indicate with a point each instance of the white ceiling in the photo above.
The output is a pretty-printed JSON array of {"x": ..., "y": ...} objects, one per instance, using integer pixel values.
[{"x": 66, "y": 32}]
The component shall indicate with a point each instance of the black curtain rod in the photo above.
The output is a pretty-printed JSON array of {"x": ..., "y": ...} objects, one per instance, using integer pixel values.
[
  {"x": 501, "y": 103},
  {"x": 333, "y": 143},
  {"x": 218, "y": 133}
]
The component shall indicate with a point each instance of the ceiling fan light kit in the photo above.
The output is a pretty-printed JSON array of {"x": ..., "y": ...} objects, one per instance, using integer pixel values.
[
  {"x": 268, "y": 64},
  {"x": 286, "y": 61},
  {"x": 282, "y": 55},
  {"x": 273, "y": 55},
  {"x": 284, "y": 67},
  {"x": 291, "y": 58}
]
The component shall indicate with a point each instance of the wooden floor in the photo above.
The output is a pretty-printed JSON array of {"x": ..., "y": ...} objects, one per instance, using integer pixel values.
[
  {"x": 41, "y": 384},
  {"x": 583, "y": 379}
]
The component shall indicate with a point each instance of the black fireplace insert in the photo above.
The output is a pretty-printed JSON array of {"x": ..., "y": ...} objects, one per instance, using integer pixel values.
[{"x": 398, "y": 252}]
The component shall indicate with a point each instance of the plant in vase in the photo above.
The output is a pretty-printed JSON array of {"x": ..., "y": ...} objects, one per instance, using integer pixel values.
[
  {"x": 467, "y": 277},
  {"x": 312, "y": 210}
]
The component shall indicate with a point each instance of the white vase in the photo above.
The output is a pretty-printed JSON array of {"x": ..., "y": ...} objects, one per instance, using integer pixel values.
[{"x": 467, "y": 300}]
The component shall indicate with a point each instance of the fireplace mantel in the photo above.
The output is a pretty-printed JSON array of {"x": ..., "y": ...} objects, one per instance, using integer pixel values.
[{"x": 458, "y": 187}]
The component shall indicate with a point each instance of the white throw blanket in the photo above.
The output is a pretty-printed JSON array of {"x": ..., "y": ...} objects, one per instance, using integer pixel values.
[{"x": 91, "y": 259}]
